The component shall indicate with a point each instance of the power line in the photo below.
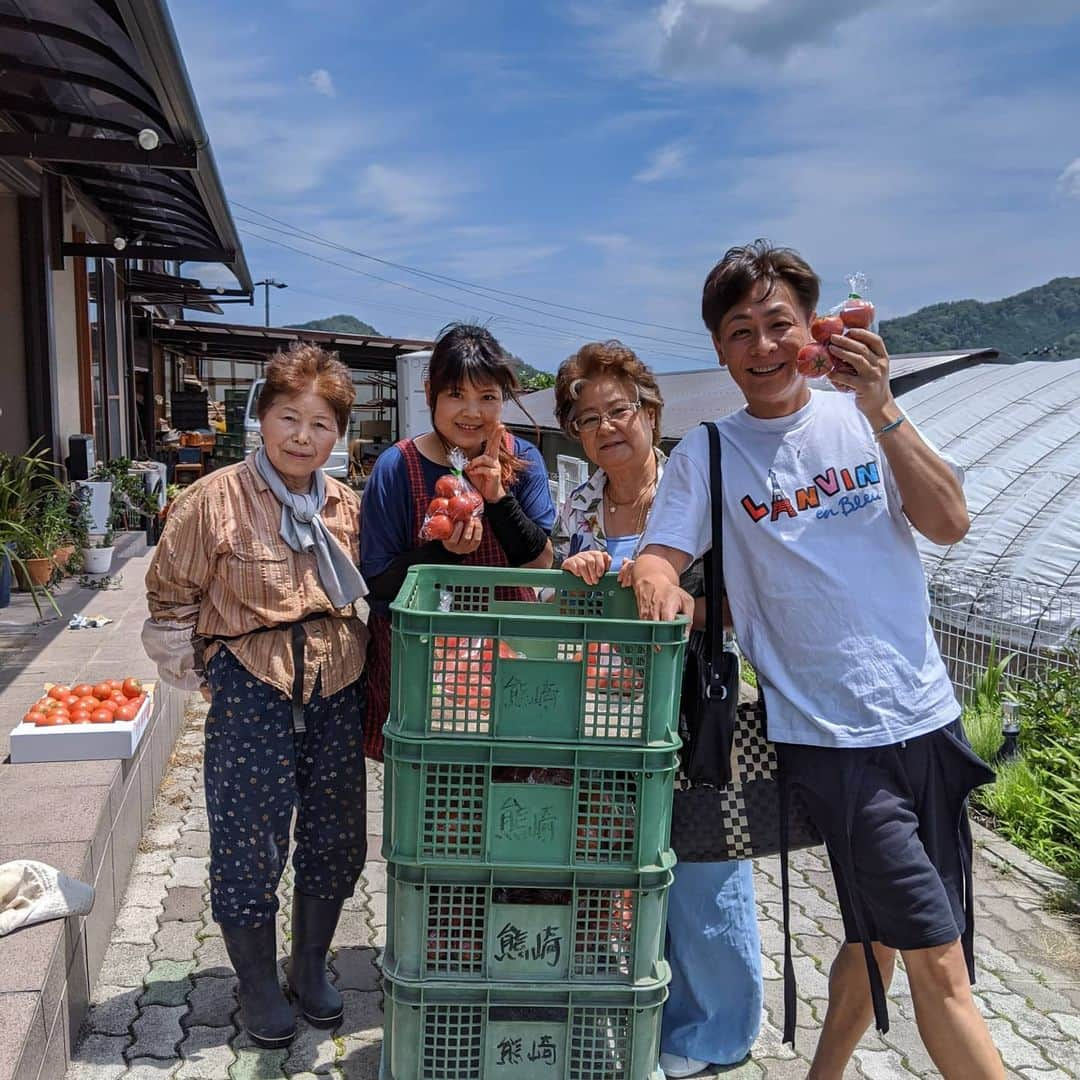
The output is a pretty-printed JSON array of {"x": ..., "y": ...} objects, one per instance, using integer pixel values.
[
  {"x": 486, "y": 291},
  {"x": 455, "y": 302},
  {"x": 552, "y": 335}
]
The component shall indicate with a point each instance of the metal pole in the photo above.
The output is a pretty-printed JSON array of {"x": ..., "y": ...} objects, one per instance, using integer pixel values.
[{"x": 266, "y": 290}]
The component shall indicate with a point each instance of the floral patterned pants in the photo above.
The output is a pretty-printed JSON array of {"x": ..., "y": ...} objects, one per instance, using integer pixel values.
[{"x": 258, "y": 771}]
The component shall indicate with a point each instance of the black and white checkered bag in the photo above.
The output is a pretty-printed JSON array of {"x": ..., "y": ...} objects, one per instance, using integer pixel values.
[{"x": 740, "y": 819}]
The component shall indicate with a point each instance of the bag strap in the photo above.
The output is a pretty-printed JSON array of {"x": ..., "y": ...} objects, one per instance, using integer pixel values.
[{"x": 714, "y": 565}]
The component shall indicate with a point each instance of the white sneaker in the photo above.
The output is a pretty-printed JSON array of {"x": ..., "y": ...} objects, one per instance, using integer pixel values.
[{"x": 676, "y": 1065}]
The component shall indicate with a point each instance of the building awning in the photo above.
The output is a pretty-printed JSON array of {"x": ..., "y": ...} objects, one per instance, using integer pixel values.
[
  {"x": 96, "y": 92},
  {"x": 153, "y": 289},
  {"x": 225, "y": 341}
]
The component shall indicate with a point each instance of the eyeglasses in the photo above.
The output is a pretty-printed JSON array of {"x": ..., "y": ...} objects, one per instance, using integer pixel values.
[{"x": 619, "y": 414}]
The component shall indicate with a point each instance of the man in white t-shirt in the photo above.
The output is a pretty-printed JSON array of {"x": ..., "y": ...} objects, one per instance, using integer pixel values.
[{"x": 820, "y": 492}]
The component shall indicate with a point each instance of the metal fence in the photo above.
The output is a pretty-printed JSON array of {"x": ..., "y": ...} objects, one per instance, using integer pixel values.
[{"x": 982, "y": 618}]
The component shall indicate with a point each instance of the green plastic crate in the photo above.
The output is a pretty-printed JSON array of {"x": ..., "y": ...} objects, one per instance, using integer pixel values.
[
  {"x": 581, "y": 667},
  {"x": 465, "y": 1033},
  {"x": 493, "y": 804},
  {"x": 511, "y": 926}
]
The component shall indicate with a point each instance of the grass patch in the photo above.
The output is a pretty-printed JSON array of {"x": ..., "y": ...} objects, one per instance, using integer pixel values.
[{"x": 1035, "y": 800}]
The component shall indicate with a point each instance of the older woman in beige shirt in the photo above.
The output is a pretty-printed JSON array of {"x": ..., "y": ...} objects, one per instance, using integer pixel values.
[{"x": 255, "y": 598}]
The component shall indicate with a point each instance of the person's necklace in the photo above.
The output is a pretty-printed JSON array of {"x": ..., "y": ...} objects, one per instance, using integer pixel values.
[{"x": 642, "y": 500}]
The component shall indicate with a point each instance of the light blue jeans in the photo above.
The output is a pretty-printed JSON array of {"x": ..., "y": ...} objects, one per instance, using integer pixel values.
[{"x": 713, "y": 1012}]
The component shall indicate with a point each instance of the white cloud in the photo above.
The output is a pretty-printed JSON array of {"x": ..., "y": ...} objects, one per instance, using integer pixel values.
[
  {"x": 664, "y": 163},
  {"x": 321, "y": 82},
  {"x": 415, "y": 194},
  {"x": 1069, "y": 180}
]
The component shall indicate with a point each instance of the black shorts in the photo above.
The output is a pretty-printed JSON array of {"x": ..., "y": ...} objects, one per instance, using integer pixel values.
[{"x": 894, "y": 820}]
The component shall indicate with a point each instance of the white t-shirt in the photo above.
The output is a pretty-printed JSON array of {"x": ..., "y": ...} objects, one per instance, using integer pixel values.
[{"x": 824, "y": 581}]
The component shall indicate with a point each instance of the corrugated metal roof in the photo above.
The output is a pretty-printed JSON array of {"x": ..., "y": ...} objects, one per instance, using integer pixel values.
[{"x": 693, "y": 396}]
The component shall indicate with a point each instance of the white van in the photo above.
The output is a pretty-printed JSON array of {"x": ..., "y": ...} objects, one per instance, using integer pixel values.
[{"x": 337, "y": 465}]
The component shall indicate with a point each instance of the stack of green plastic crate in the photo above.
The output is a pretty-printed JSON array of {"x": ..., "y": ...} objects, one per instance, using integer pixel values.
[
  {"x": 230, "y": 445},
  {"x": 531, "y": 750}
]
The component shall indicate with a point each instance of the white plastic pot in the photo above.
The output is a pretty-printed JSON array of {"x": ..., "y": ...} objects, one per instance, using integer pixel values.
[
  {"x": 100, "y": 494},
  {"x": 97, "y": 560}
]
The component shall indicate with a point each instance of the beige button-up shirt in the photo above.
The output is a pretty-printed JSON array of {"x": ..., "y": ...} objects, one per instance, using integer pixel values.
[{"x": 222, "y": 569}]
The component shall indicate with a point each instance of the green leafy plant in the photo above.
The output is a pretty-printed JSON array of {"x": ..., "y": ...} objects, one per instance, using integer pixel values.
[
  {"x": 47, "y": 525},
  {"x": 990, "y": 686},
  {"x": 1035, "y": 801},
  {"x": 129, "y": 501}
]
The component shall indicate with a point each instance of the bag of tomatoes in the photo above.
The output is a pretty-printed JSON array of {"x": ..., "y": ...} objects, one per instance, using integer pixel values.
[
  {"x": 455, "y": 500},
  {"x": 814, "y": 359}
]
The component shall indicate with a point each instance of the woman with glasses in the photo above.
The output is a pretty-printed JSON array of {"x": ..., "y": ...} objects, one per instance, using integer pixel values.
[
  {"x": 608, "y": 400},
  {"x": 470, "y": 376}
]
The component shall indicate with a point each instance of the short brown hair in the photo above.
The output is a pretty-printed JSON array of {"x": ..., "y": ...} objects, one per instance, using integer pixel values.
[
  {"x": 595, "y": 360},
  {"x": 303, "y": 366},
  {"x": 742, "y": 268}
]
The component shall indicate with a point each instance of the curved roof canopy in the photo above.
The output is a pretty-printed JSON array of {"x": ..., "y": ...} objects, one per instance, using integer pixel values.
[{"x": 85, "y": 87}]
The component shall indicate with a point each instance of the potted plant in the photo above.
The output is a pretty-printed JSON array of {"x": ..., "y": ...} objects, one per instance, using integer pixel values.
[
  {"x": 97, "y": 559},
  {"x": 129, "y": 501},
  {"x": 27, "y": 481},
  {"x": 45, "y": 526}
]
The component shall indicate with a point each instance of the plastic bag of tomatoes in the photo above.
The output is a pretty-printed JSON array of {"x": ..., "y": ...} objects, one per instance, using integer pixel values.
[
  {"x": 455, "y": 500},
  {"x": 855, "y": 311}
]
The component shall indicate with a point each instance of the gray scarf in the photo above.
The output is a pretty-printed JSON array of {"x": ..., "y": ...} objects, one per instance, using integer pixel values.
[{"x": 303, "y": 529}]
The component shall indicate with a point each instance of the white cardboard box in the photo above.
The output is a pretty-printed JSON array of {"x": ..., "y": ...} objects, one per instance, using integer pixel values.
[{"x": 80, "y": 742}]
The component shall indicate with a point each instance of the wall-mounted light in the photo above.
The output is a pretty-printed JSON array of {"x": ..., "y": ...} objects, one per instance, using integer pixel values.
[
  {"x": 119, "y": 243},
  {"x": 148, "y": 139}
]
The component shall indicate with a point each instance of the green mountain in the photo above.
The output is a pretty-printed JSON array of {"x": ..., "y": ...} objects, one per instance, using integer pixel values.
[
  {"x": 1046, "y": 317},
  {"x": 339, "y": 324}
]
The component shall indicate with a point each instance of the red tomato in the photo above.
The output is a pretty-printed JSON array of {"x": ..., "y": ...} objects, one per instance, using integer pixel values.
[
  {"x": 109, "y": 704},
  {"x": 83, "y": 690},
  {"x": 62, "y": 716},
  {"x": 80, "y": 716},
  {"x": 69, "y": 700},
  {"x": 102, "y": 690},
  {"x": 857, "y": 312},
  {"x": 823, "y": 328},
  {"x": 127, "y": 712},
  {"x": 119, "y": 697},
  {"x": 34, "y": 716},
  {"x": 475, "y": 498},
  {"x": 461, "y": 508},
  {"x": 132, "y": 688},
  {"x": 88, "y": 702},
  {"x": 116, "y": 684},
  {"x": 58, "y": 693},
  {"x": 438, "y": 506},
  {"x": 45, "y": 704},
  {"x": 447, "y": 486},
  {"x": 102, "y": 716},
  {"x": 439, "y": 528},
  {"x": 53, "y": 719},
  {"x": 814, "y": 360}
]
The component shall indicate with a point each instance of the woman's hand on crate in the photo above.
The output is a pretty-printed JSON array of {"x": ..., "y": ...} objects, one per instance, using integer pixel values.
[{"x": 590, "y": 566}]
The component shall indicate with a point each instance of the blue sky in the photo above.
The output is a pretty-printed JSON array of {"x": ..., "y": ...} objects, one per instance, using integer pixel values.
[{"x": 602, "y": 154}]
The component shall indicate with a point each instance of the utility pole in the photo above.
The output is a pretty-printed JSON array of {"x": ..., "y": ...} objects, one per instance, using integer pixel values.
[{"x": 266, "y": 283}]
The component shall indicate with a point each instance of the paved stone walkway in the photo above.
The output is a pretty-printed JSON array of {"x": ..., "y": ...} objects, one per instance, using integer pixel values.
[{"x": 165, "y": 1005}]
